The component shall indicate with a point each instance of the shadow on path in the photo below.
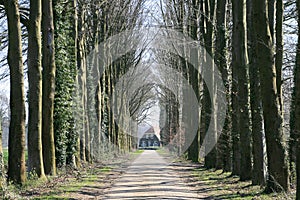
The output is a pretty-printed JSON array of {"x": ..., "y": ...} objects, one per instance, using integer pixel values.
[{"x": 151, "y": 177}]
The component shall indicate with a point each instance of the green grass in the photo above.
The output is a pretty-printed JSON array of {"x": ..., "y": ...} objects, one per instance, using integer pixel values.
[
  {"x": 220, "y": 185},
  {"x": 5, "y": 155},
  {"x": 64, "y": 186},
  {"x": 163, "y": 152},
  {"x": 171, "y": 156},
  {"x": 51, "y": 197},
  {"x": 73, "y": 184},
  {"x": 105, "y": 169},
  {"x": 160, "y": 150},
  {"x": 137, "y": 152}
]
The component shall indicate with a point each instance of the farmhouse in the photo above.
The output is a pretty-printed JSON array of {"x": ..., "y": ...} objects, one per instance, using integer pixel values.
[{"x": 149, "y": 139}]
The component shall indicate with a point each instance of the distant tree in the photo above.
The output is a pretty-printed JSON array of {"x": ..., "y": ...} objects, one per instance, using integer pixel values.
[{"x": 4, "y": 105}]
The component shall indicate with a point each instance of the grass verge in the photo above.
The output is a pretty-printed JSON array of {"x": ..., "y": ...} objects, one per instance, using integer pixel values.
[
  {"x": 86, "y": 183},
  {"x": 218, "y": 185}
]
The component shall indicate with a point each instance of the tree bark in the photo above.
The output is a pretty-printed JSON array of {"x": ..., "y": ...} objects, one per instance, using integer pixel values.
[
  {"x": 271, "y": 16},
  {"x": 35, "y": 155},
  {"x": 16, "y": 146},
  {"x": 209, "y": 9},
  {"x": 72, "y": 133},
  {"x": 193, "y": 150},
  {"x": 65, "y": 135},
  {"x": 48, "y": 88},
  {"x": 221, "y": 60},
  {"x": 258, "y": 135},
  {"x": 279, "y": 51},
  {"x": 236, "y": 154},
  {"x": 2, "y": 169},
  {"x": 240, "y": 62},
  {"x": 297, "y": 104},
  {"x": 276, "y": 150},
  {"x": 297, "y": 117},
  {"x": 82, "y": 82}
]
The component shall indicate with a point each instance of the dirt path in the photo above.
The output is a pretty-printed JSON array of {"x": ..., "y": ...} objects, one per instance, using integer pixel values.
[
  {"x": 150, "y": 177},
  {"x": 147, "y": 176}
]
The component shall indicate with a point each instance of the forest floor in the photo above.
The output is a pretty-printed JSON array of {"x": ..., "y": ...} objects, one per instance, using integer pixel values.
[{"x": 146, "y": 174}]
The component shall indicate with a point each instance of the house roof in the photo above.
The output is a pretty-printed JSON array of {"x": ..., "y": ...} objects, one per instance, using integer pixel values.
[{"x": 150, "y": 130}]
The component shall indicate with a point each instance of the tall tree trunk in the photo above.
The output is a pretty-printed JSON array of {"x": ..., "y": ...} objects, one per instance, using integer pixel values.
[
  {"x": 209, "y": 111},
  {"x": 2, "y": 169},
  {"x": 271, "y": 16},
  {"x": 258, "y": 135},
  {"x": 240, "y": 62},
  {"x": 293, "y": 136},
  {"x": 279, "y": 51},
  {"x": 276, "y": 150},
  {"x": 297, "y": 117},
  {"x": 35, "y": 154},
  {"x": 77, "y": 159},
  {"x": 81, "y": 81},
  {"x": 72, "y": 133},
  {"x": 236, "y": 154},
  {"x": 193, "y": 150},
  {"x": 220, "y": 57},
  {"x": 86, "y": 118},
  {"x": 65, "y": 135},
  {"x": 297, "y": 104},
  {"x": 48, "y": 88},
  {"x": 16, "y": 141},
  {"x": 94, "y": 91}
]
